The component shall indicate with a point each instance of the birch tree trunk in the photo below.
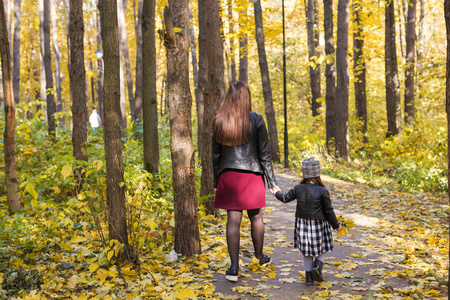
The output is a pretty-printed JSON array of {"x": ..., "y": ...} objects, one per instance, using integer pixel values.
[
  {"x": 126, "y": 56},
  {"x": 187, "y": 234},
  {"x": 149, "y": 101},
  {"x": 359, "y": 69},
  {"x": 77, "y": 75},
  {"x": 267, "y": 89},
  {"x": 393, "y": 106},
  {"x": 59, "y": 106},
  {"x": 16, "y": 50},
  {"x": 410, "y": 62},
  {"x": 123, "y": 97},
  {"x": 10, "y": 159},
  {"x": 311, "y": 10},
  {"x": 342, "y": 80},
  {"x": 330, "y": 76},
  {"x": 115, "y": 190}
]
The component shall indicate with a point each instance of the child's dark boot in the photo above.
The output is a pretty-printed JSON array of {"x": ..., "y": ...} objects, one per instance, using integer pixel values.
[
  {"x": 317, "y": 270},
  {"x": 309, "y": 278}
]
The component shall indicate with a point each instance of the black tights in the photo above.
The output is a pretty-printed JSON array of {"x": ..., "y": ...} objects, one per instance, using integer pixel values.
[{"x": 233, "y": 236}]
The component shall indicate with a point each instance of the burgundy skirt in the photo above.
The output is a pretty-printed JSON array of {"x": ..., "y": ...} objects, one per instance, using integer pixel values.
[{"x": 240, "y": 191}]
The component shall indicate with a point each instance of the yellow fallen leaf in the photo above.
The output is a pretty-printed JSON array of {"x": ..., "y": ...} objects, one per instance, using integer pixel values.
[
  {"x": 338, "y": 263},
  {"x": 93, "y": 267},
  {"x": 272, "y": 275},
  {"x": 325, "y": 284},
  {"x": 186, "y": 294}
]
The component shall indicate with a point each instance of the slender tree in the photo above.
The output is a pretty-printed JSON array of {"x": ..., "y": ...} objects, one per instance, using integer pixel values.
[
  {"x": 213, "y": 93},
  {"x": 187, "y": 234},
  {"x": 447, "y": 94},
  {"x": 59, "y": 106},
  {"x": 16, "y": 50},
  {"x": 138, "y": 88},
  {"x": 330, "y": 75},
  {"x": 149, "y": 101},
  {"x": 202, "y": 72},
  {"x": 123, "y": 96},
  {"x": 231, "y": 37},
  {"x": 342, "y": 79},
  {"x": 10, "y": 159},
  {"x": 243, "y": 48},
  {"x": 100, "y": 68},
  {"x": 126, "y": 56},
  {"x": 267, "y": 89},
  {"x": 78, "y": 79},
  {"x": 359, "y": 69},
  {"x": 393, "y": 106},
  {"x": 115, "y": 190},
  {"x": 312, "y": 24},
  {"x": 410, "y": 62}
]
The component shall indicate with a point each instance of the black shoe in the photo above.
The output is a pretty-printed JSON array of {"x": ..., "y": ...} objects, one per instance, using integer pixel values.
[
  {"x": 309, "y": 278},
  {"x": 265, "y": 260},
  {"x": 232, "y": 274},
  {"x": 317, "y": 270}
]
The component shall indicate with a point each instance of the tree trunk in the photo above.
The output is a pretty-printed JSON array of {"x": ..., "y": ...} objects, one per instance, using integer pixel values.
[
  {"x": 187, "y": 235},
  {"x": 447, "y": 94},
  {"x": 138, "y": 90},
  {"x": 16, "y": 51},
  {"x": 126, "y": 56},
  {"x": 100, "y": 68},
  {"x": 359, "y": 69},
  {"x": 213, "y": 94},
  {"x": 43, "y": 91},
  {"x": 149, "y": 100},
  {"x": 330, "y": 73},
  {"x": 410, "y": 62},
  {"x": 267, "y": 89},
  {"x": 419, "y": 48},
  {"x": 78, "y": 80},
  {"x": 59, "y": 102},
  {"x": 313, "y": 42},
  {"x": 115, "y": 190},
  {"x": 198, "y": 92},
  {"x": 10, "y": 122},
  {"x": 202, "y": 73},
  {"x": 400, "y": 28},
  {"x": 243, "y": 49},
  {"x": 231, "y": 36},
  {"x": 342, "y": 79},
  {"x": 123, "y": 97},
  {"x": 393, "y": 106}
]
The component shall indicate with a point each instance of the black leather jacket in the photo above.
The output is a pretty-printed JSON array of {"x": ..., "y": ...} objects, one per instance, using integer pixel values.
[
  {"x": 253, "y": 156},
  {"x": 313, "y": 203}
]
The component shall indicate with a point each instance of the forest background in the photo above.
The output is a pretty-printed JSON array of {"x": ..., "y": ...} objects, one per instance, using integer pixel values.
[{"x": 50, "y": 176}]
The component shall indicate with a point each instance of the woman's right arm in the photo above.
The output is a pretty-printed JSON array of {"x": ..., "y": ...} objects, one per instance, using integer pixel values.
[{"x": 216, "y": 156}]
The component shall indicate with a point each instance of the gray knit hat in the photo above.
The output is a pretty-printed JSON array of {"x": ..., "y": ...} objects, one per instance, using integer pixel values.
[{"x": 310, "y": 168}]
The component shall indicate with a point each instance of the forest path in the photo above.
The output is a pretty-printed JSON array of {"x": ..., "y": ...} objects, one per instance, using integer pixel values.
[{"x": 364, "y": 265}]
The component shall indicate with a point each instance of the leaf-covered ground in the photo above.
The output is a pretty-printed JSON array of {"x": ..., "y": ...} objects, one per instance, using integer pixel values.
[{"x": 397, "y": 250}]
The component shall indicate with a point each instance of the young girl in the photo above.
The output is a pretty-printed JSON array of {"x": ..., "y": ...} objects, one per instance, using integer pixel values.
[{"x": 313, "y": 218}]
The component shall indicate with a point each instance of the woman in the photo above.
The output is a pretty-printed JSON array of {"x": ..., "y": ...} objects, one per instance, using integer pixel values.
[{"x": 241, "y": 161}]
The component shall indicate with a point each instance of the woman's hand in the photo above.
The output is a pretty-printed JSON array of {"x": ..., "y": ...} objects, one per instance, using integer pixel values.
[{"x": 274, "y": 190}]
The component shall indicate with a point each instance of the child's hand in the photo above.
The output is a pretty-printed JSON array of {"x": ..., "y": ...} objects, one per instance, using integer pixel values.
[
  {"x": 274, "y": 190},
  {"x": 340, "y": 228}
]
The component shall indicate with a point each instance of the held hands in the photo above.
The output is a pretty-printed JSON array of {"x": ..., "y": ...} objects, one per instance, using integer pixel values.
[{"x": 274, "y": 190}]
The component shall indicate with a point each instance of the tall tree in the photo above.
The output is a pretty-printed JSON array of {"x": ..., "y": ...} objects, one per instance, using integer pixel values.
[
  {"x": 59, "y": 106},
  {"x": 393, "y": 106},
  {"x": 138, "y": 88},
  {"x": 149, "y": 101},
  {"x": 342, "y": 78},
  {"x": 202, "y": 72},
  {"x": 197, "y": 90},
  {"x": 187, "y": 234},
  {"x": 359, "y": 69},
  {"x": 100, "y": 67},
  {"x": 231, "y": 37},
  {"x": 10, "y": 159},
  {"x": 16, "y": 50},
  {"x": 330, "y": 74},
  {"x": 77, "y": 75},
  {"x": 115, "y": 190},
  {"x": 212, "y": 93},
  {"x": 447, "y": 94},
  {"x": 267, "y": 89},
  {"x": 410, "y": 62},
  {"x": 123, "y": 96},
  {"x": 312, "y": 25},
  {"x": 243, "y": 48}
]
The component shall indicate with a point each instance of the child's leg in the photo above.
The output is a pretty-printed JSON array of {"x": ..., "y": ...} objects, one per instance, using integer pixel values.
[
  {"x": 308, "y": 262},
  {"x": 257, "y": 229},
  {"x": 233, "y": 238},
  {"x": 322, "y": 256}
]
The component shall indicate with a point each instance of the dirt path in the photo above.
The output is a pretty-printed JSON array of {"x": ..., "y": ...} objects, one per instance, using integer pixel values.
[{"x": 359, "y": 268}]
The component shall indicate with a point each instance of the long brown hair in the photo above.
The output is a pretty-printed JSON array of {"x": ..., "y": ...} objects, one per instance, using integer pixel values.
[
  {"x": 315, "y": 180},
  {"x": 231, "y": 124}
]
